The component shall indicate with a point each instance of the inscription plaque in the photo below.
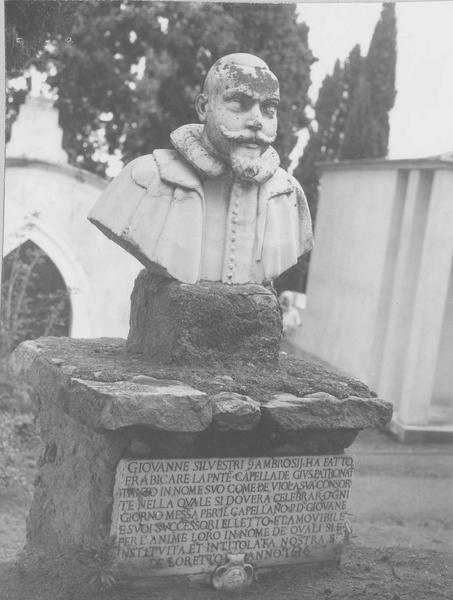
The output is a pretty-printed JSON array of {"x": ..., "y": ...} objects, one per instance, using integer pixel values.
[{"x": 184, "y": 516}]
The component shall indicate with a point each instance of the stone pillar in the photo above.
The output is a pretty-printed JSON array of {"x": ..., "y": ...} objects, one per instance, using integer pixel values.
[
  {"x": 419, "y": 297},
  {"x": 429, "y": 303},
  {"x": 404, "y": 285}
]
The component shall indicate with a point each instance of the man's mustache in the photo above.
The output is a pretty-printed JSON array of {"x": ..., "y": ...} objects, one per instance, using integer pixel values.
[{"x": 247, "y": 137}]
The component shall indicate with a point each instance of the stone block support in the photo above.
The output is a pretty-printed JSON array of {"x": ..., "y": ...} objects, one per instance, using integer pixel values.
[{"x": 204, "y": 322}]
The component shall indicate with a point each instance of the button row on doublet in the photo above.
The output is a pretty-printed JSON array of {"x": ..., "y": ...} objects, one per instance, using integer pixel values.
[{"x": 232, "y": 248}]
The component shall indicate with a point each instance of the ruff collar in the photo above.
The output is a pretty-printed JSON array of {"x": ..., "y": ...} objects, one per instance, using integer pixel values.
[{"x": 187, "y": 141}]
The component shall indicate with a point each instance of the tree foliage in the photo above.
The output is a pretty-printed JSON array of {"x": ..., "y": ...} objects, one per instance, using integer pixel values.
[
  {"x": 133, "y": 70},
  {"x": 28, "y": 26},
  {"x": 367, "y": 130},
  {"x": 332, "y": 114},
  {"x": 351, "y": 116},
  {"x": 352, "y": 109}
]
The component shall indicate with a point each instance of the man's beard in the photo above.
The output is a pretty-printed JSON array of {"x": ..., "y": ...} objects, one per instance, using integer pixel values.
[{"x": 243, "y": 166}]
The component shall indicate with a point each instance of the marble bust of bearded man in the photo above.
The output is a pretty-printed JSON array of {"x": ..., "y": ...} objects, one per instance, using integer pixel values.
[{"x": 218, "y": 207}]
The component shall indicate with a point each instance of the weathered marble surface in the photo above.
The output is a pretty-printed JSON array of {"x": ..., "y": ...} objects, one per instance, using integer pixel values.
[{"x": 218, "y": 207}]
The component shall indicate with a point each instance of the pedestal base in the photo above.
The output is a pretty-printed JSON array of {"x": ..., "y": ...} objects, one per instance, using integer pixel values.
[{"x": 100, "y": 404}]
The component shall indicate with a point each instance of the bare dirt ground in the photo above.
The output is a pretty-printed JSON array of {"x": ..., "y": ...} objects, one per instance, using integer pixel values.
[
  {"x": 401, "y": 547},
  {"x": 365, "y": 574}
]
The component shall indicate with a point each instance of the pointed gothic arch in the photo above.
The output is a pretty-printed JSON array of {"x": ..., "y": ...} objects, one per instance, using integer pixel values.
[{"x": 71, "y": 272}]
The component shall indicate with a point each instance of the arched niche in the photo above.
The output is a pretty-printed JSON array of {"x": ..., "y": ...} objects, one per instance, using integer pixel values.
[
  {"x": 71, "y": 272},
  {"x": 35, "y": 299}
]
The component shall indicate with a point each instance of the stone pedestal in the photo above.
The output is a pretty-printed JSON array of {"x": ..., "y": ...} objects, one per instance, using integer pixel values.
[
  {"x": 200, "y": 382},
  {"x": 180, "y": 323},
  {"x": 100, "y": 403}
]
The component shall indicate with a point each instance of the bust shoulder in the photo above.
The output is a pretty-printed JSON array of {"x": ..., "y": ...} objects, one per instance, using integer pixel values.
[
  {"x": 297, "y": 186},
  {"x": 284, "y": 176},
  {"x": 149, "y": 169},
  {"x": 282, "y": 182},
  {"x": 143, "y": 170}
]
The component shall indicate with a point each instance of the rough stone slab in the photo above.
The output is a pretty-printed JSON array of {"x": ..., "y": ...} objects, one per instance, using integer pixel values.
[
  {"x": 235, "y": 411},
  {"x": 51, "y": 364},
  {"x": 174, "y": 322},
  {"x": 144, "y": 379},
  {"x": 324, "y": 411},
  {"x": 166, "y": 407},
  {"x": 105, "y": 359}
]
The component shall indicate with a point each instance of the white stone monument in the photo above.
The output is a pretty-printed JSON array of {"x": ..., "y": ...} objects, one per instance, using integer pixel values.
[{"x": 380, "y": 288}]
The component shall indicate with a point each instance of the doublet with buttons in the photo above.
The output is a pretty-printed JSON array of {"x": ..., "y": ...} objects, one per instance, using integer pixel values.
[
  {"x": 183, "y": 213},
  {"x": 239, "y": 246},
  {"x": 229, "y": 243}
]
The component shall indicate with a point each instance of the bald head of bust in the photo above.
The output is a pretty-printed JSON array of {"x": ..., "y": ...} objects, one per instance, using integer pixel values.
[
  {"x": 238, "y": 106},
  {"x": 238, "y": 68}
]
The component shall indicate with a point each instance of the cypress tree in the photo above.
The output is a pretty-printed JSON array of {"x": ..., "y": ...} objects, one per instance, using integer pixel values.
[
  {"x": 380, "y": 68},
  {"x": 367, "y": 127},
  {"x": 324, "y": 140},
  {"x": 351, "y": 114}
]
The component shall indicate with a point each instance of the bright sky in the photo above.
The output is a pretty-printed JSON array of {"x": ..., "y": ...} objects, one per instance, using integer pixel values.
[{"x": 421, "y": 121}]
